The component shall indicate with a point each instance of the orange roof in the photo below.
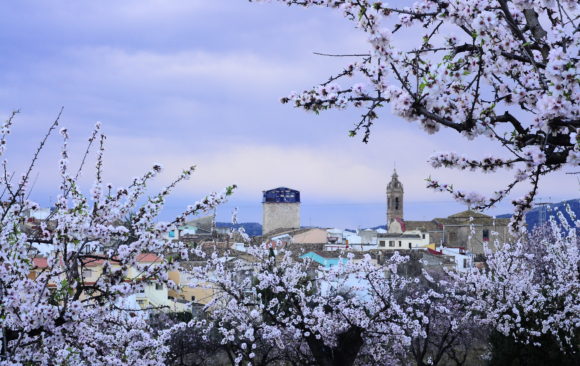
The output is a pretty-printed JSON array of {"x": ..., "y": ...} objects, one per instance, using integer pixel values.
[
  {"x": 91, "y": 262},
  {"x": 142, "y": 258},
  {"x": 148, "y": 257},
  {"x": 40, "y": 262}
]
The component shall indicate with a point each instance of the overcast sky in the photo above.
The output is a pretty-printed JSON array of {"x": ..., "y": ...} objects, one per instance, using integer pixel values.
[{"x": 199, "y": 82}]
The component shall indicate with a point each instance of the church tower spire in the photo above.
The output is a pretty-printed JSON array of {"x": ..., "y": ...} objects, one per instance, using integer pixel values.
[{"x": 394, "y": 198}]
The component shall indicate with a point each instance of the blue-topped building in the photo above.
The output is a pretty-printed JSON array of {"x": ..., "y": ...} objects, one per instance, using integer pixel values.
[
  {"x": 281, "y": 209},
  {"x": 281, "y": 194}
]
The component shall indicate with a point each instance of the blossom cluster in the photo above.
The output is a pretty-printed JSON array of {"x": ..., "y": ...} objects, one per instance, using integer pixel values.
[
  {"x": 51, "y": 312},
  {"x": 358, "y": 310},
  {"x": 504, "y": 70},
  {"x": 361, "y": 311},
  {"x": 531, "y": 286}
]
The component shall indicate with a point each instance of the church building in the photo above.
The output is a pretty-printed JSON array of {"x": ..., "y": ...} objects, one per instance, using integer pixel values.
[{"x": 469, "y": 229}]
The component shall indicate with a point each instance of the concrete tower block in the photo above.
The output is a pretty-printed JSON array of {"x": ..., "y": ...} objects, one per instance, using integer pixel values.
[{"x": 281, "y": 209}]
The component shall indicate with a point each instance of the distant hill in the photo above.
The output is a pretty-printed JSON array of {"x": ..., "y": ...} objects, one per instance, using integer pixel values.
[
  {"x": 251, "y": 228},
  {"x": 534, "y": 216}
]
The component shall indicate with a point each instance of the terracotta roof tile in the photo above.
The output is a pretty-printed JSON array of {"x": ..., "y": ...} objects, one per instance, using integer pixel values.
[
  {"x": 148, "y": 257},
  {"x": 40, "y": 262}
]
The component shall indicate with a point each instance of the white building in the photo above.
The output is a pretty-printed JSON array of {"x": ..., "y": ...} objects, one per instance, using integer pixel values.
[
  {"x": 397, "y": 238},
  {"x": 40, "y": 214},
  {"x": 413, "y": 239},
  {"x": 199, "y": 226},
  {"x": 347, "y": 240},
  {"x": 462, "y": 258}
]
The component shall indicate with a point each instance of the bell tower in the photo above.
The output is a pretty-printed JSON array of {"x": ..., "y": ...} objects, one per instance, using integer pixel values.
[{"x": 394, "y": 198}]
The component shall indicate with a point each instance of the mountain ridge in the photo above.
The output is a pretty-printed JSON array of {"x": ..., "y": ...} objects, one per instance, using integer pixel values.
[{"x": 542, "y": 213}]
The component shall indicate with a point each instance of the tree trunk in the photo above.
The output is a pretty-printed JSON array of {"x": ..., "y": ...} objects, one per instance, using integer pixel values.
[{"x": 345, "y": 353}]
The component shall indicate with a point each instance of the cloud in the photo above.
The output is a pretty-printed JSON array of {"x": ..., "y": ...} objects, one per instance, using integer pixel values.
[
  {"x": 112, "y": 14},
  {"x": 347, "y": 172},
  {"x": 342, "y": 184},
  {"x": 182, "y": 82},
  {"x": 187, "y": 71}
]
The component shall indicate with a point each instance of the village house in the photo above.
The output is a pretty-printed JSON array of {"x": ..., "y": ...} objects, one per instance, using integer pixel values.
[
  {"x": 153, "y": 295},
  {"x": 398, "y": 237},
  {"x": 201, "y": 228}
]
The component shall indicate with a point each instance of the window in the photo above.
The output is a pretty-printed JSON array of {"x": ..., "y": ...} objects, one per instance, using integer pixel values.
[
  {"x": 423, "y": 236},
  {"x": 396, "y": 203},
  {"x": 452, "y": 237},
  {"x": 159, "y": 286},
  {"x": 485, "y": 235},
  {"x": 391, "y": 243},
  {"x": 400, "y": 243},
  {"x": 87, "y": 272},
  {"x": 410, "y": 245},
  {"x": 382, "y": 243},
  {"x": 142, "y": 302}
]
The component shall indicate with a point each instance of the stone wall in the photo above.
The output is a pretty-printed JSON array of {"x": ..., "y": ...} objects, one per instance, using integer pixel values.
[
  {"x": 462, "y": 236},
  {"x": 280, "y": 215}
]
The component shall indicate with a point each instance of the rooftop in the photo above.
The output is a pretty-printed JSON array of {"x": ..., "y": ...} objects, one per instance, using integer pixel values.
[{"x": 281, "y": 195}]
